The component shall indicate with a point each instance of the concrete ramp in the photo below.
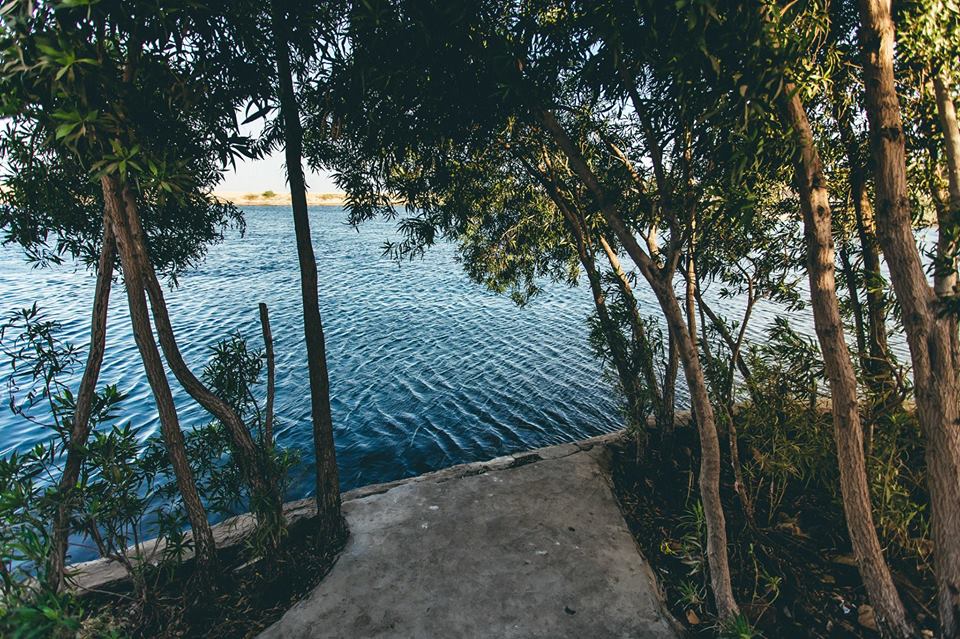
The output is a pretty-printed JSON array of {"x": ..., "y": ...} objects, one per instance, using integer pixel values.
[{"x": 531, "y": 545}]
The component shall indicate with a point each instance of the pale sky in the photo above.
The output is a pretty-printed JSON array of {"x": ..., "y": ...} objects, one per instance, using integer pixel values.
[{"x": 268, "y": 174}]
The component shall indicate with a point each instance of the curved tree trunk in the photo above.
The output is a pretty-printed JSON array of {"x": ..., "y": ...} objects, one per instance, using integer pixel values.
[
  {"x": 709, "y": 450},
  {"x": 131, "y": 257},
  {"x": 930, "y": 336},
  {"x": 327, "y": 481},
  {"x": 818, "y": 232},
  {"x": 615, "y": 340},
  {"x": 265, "y": 500},
  {"x": 706, "y": 424},
  {"x": 80, "y": 431}
]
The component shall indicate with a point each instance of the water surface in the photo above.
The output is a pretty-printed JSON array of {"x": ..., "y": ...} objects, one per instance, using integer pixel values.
[{"x": 427, "y": 369}]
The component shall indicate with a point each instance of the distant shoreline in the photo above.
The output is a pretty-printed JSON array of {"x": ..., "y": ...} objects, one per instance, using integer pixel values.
[{"x": 282, "y": 198}]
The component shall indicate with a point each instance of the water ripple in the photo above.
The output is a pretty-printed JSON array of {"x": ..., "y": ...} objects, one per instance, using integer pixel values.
[{"x": 426, "y": 368}]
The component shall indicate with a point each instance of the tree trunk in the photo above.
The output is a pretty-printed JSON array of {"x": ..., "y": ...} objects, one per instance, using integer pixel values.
[
  {"x": 640, "y": 339},
  {"x": 930, "y": 337},
  {"x": 615, "y": 340},
  {"x": 327, "y": 479},
  {"x": 80, "y": 431},
  {"x": 709, "y": 451},
  {"x": 265, "y": 500},
  {"x": 878, "y": 368},
  {"x": 855, "y": 491},
  {"x": 849, "y": 276},
  {"x": 706, "y": 424},
  {"x": 271, "y": 374},
  {"x": 668, "y": 418},
  {"x": 131, "y": 257},
  {"x": 691, "y": 295},
  {"x": 945, "y": 278},
  {"x": 856, "y": 308}
]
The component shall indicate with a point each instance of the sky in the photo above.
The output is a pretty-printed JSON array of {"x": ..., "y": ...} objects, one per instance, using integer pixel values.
[{"x": 269, "y": 174}]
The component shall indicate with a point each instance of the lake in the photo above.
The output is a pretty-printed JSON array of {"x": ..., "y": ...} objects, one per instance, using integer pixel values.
[{"x": 427, "y": 369}]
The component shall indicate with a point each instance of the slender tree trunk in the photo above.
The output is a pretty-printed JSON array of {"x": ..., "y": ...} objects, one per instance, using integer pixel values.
[
  {"x": 930, "y": 336},
  {"x": 328, "y": 483},
  {"x": 849, "y": 276},
  {"x": 945, "y": 278},
  {"x": 881, "y": 368},
  {"x": 265, "y": 500},
  {"x": 733, "y": 441},
  {"x": 691, "y": 294},
  {"x": 709, "y": 451},
  {"x": 615, "y": 339},
  {"x": 131, "y": 257},
  {"x": 271, "y": 374},
  {"x": 878, "y": 368},
  {"x": 668, "y": 418},
  {"x": 687, "y": 352},
  {"x": 856, "y": 308},
  {"x": 640, "y": 339},
  {"x": 855, "y": 491},
  {"x": 80, "y": 430},
  {"x": 240, "y": 437},
  {"x": 728, "y": 338}
]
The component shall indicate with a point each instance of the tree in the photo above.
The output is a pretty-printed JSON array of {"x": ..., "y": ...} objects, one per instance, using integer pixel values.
[
  {"x": 407, "y": 112},
  {"x": 327, "y": 478},
  {"x": 95, "y": 87},
  {"x": 931, "y": 333}
]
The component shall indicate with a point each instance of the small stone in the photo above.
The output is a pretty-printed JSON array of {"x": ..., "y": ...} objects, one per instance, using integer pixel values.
[
  {"x": 867, "y": 618},
  {"x": 692, "y": 617},
  {"x": 925, "y": 633},
  {"x": 569, "y": 610}
]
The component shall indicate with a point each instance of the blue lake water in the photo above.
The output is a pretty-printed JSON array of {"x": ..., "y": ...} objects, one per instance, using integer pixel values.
[{"x": 427, "y": 369}]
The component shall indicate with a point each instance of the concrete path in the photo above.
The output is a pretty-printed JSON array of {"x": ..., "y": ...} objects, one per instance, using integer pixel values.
[{"x": 530, "y": 545}]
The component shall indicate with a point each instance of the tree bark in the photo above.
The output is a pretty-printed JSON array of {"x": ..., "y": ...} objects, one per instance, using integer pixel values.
[
  {"x": 265, "y": 500},
  {"x": 615, "y": 339},
  {"x": 271, "y": 374},
  {"x": 818, "y": 232},
  {"x": 945, "y": 277},
  {"x": 856, "y": 308},
  {"x": 131, "y": 257},
  {"x": 878, "y": 368},
  {"x": 668, "y": 419},
  {"x": 80, "y": 430},
  {"x": 327, "y": 480},
  {"x": 930, "y": 336},
  {"x": 706, "y": 424}
]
